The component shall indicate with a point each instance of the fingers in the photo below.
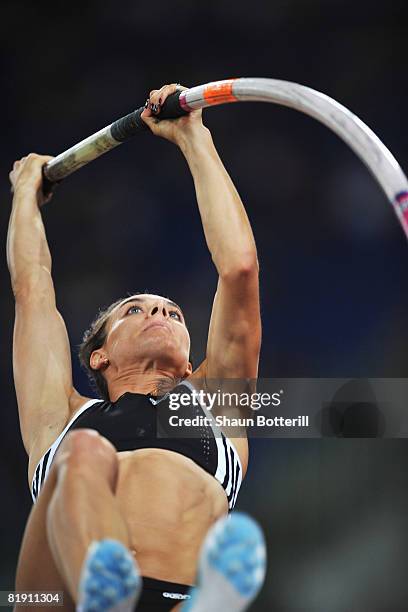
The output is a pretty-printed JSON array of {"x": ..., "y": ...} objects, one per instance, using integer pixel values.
[
  {"x": 32, "y": 160},
  {"x": 174, "y": 131},
  {"x": 157, "y": 97},
  {"x": 149, "y": 118},
  {"x": 154, "y": 103},
  {"x": 27, "y": 171}
]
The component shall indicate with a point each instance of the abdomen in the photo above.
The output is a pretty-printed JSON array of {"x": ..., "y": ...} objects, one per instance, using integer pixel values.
[{"x": 169, "y": 503}]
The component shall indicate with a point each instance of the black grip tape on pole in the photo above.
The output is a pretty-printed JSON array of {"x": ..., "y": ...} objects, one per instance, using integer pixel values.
[
  {"x": 171, "y": 108},
  {"x": 127, "y": 126}
]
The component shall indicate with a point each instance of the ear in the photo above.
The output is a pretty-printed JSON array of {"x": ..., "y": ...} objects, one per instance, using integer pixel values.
[
  {"x": 189, "y": 370},
  {"x": 98, "y": 359}
]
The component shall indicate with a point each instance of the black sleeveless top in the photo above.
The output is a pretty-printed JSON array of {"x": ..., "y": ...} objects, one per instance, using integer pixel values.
[{"x": 137, "y": 421}]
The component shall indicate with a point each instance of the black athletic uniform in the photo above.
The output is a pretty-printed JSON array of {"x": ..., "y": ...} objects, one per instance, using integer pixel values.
[{"x": 137, "y": 421}]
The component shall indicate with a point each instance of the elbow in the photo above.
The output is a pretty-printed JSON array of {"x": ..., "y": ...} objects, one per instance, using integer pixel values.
[
  {"x": 33, "y": 286},
  {"x": 243, "y": 266}
]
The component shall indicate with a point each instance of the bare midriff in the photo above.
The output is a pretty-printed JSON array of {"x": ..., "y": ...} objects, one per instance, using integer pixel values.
[{"x": 169, "y": 503}]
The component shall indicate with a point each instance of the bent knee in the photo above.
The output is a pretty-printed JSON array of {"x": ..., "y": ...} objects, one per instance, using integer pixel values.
[
  {"x": 86, "y": 449},
  {"x": 88, "y": 439}
]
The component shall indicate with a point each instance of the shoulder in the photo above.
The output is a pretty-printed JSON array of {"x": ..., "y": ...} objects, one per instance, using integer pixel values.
[{"x": 77, "y": 401}]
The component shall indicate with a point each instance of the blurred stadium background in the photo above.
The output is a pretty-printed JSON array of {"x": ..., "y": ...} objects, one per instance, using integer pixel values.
[{"x": 332, "y": 255}]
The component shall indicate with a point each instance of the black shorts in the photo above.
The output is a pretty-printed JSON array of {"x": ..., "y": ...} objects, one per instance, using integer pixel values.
[{"x": 161, "y": 596}]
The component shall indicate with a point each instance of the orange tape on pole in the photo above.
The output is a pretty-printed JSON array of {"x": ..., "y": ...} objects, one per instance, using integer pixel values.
[{"x": 220, "y": 92}]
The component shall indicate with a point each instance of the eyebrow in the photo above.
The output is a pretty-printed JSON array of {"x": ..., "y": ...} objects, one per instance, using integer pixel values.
[{"x": 142, "y": 301}]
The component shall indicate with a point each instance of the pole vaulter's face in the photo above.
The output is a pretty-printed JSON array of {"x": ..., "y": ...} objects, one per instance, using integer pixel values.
[{"x": 148, "y": 327}]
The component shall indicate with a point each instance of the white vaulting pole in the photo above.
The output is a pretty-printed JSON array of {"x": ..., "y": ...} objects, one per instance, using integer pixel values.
[{"x": 360, "y": 138}]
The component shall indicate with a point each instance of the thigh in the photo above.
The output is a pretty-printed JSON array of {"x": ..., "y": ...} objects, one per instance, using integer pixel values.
[{"x": 36, "y": 569}]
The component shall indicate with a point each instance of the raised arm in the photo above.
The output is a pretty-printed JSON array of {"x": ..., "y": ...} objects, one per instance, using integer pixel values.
[
  {"x": 41, "y": 352},
  {"x": 235, "y": 329}
]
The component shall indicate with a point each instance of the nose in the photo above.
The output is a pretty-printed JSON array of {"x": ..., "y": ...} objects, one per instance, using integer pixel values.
[{"x": 159, "y": 309}]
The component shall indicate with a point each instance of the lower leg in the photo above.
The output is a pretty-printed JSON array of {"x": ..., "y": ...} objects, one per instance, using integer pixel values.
[{"x": 83, "y": 508}]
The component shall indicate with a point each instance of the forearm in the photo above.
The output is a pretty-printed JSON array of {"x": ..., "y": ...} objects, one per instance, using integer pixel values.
[
  {"x": 28, "y": 255},
  {"x": 226, "y": 226}
]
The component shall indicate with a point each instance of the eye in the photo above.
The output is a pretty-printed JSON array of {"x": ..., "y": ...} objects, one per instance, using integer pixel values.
[
  {"x": 175, "y": 315},
  {"x": 134, "y": 308}
]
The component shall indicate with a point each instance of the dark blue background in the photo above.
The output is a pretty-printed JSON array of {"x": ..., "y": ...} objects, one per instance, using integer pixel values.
[{"x": 333, "y": 258}]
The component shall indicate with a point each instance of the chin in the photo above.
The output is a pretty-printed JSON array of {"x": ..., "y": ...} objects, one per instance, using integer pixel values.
[{"x": 166, "y": 355}]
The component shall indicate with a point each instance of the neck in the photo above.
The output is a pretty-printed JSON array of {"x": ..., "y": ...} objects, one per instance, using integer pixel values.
[{"x": 155, "y": 382}]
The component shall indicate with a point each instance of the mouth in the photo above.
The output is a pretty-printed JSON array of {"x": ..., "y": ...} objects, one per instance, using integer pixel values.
[{"x": 164, "y": 325}]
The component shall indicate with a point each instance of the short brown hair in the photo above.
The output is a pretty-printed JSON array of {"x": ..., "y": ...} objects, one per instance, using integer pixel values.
[{"x": 94, "y": 338}]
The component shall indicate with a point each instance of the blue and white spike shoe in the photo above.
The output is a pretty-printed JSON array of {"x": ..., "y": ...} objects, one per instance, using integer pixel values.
[
  {"x": 232, "y": 566},
  {"x": 110, "y": 580}
]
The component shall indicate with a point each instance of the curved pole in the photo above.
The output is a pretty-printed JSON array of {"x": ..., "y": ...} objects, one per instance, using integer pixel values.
[{"x": 338, "y": 118}]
